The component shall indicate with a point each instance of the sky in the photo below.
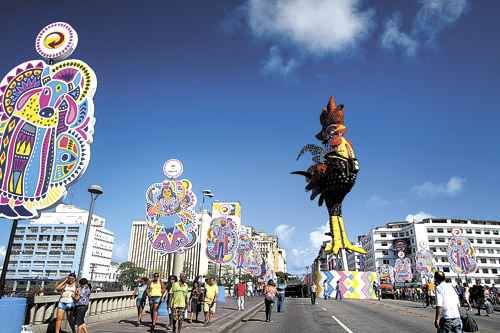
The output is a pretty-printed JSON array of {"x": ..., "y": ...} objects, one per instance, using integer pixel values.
[{"x": 235, "y": 88}]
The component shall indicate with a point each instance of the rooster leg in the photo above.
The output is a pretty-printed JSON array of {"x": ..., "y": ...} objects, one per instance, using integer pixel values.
[
  {"x": 346, "y": 244},
  {"x": 336, "y": 243}
]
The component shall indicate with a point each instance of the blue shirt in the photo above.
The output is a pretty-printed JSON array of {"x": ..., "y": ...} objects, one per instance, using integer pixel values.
[{"x": 84, "y": 296}]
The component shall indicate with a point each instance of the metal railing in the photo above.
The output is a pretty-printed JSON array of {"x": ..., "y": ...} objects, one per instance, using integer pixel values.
[{"x": 103, "y": 306}]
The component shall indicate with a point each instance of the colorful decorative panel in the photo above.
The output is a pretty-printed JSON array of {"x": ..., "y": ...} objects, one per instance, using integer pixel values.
[
  {"x": 227, "y": 209},
  {"x": 402, "y": 270},
  {"x": 170, "y": 214},
  {"x": 222, "y": 240},
  {"x": 244, "y": 251},
  {"x": 354, "y": 285},
  {"x": 46, "y": 127},
  {"x": 461, "y": 254}
]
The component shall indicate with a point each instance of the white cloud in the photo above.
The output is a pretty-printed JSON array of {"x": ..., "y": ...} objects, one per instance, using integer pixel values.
[
  {"x": 276, "y": 64},
  {"x": 318, "y": 27},
  {"x": 454, "y": 186},
  {"x": 377, "y": 201},
  {"x": 436, "y": 15},
  {"x": 317, "y": 237},
  {"x": 432, "y": 17},
  {"x": 418, "y": 216},
  {"x": 284, "y": 232},
  {"x": 393, "y": 37},
  {"x": 120, "y": 252}
]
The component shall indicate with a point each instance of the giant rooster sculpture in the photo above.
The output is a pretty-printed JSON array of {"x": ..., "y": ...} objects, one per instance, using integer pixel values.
[{"x": 333, "y": 173}]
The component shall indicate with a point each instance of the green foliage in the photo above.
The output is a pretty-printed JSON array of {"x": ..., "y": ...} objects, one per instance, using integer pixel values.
[{"x": 128, "y": 273}]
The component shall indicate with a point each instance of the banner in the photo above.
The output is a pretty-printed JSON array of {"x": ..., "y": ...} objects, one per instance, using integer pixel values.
[
  {"x": 461, "y": 254},
  {"x": 401, "y": 245},
  {"x": 222, "y": 240},
  {"x": 231, "y": 210},
  {"x": 402, "y": 270},
  {"x": 386, "y": 273}
]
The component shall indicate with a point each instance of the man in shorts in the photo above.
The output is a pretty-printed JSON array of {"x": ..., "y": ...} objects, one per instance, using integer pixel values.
[
  {"x": 178, "y": 302},
  {"x": 209, "y": 303}
]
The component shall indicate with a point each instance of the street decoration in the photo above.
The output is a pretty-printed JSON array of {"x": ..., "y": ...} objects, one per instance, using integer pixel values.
[
  {"x": 255, "y": 266},
  {"x": 46, "y": 125},
  {"x": 244, "y": 251},
  {"x": 170, "y": 212},
  {"x": 386, "y": 273},
  {"x": 424, "y": 261},
  {"x": 353, "y": 285},
  {"x": 333, "y": 173},
  {"x": 461, "y": 254},
  {"x": 222, "y": 240},
  {"x": 402, "y": 269}
]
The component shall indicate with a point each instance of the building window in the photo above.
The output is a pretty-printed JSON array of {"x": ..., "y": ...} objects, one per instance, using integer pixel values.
[
  {"x": 497, "y": 241},
  {"x": 486, "y": 270},
  {"x": 469, "y": 231},
  {"x": 431, "y": 240},
  {"x": 430, "y": 230},
  {"x": 385, "y": 262},
  {"x": 481, "y": 250},
  {"x": 494, "y": 271},
  {"x": 384, "y": 243},
  {"x": 483, "y": 261},
  {"x": 395, "y": 235},
  {"x": 433, "y": 249},
  {"x": 385, "y": 252},
  {"x": 383, "y": 235},
  {"x": 479, "y": 241},
  {"x": 487, "y": 281},
  {"x": 441, "y": 240},
  {"x": 446, "y": 269},
  {"x": 448, "y": 230},
  {"x": 495, "y": 232},
  {"x": 440, "y": 230},
  {"x": 477, "y": 231},
  {"x": 486, "y": 232},
  {"x": 488, "y": 241},
  {"x": 57, "y": 238}
]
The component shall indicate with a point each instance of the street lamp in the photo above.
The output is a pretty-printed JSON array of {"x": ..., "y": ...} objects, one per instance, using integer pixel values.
[{"x": 95, "y": 191}]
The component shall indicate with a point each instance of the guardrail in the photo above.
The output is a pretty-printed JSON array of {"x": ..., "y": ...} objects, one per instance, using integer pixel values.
[{"x": 103, "y": 306}]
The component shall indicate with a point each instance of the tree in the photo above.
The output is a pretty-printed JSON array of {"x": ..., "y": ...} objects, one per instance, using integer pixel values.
[{"x": 128, "y": 273}]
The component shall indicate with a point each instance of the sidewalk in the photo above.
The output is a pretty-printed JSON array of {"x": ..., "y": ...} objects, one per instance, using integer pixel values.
[{"x": 227, "y": 315}]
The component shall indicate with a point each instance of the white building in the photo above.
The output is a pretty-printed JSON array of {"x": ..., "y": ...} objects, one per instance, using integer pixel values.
[
  {"x": 51, "y": 246},
  {"x": 356, "y": 261},
  {"x": 434, "y": 234}
]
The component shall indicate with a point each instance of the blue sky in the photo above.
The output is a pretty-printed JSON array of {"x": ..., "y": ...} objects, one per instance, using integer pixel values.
[{"x": 235, "y": 89}]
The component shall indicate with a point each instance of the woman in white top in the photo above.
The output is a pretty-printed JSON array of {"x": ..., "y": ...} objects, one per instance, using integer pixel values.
[
  {"x": 68, "y": 290},
  {"x": 467, "y": 295}
]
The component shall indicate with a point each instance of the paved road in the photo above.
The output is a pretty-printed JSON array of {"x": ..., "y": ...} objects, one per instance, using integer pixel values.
[
  {"x": 387, "y": 316},
  {"x": 128, "y": 325}
]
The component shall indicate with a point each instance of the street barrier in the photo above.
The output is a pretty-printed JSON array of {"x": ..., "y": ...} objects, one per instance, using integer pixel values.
[{"x": 103, "y": 306}]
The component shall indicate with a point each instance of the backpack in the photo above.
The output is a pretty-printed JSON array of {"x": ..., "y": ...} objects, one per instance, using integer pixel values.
[{"x": 468, "y": 323}]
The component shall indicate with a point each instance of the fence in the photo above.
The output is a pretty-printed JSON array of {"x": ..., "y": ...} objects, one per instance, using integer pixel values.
[{"x": 103, "y": 306}]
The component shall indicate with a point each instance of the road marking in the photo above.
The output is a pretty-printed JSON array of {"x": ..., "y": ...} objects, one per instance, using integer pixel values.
[
  {"x": 341, "y": 324},
  {"x": 324, "y": 309}
]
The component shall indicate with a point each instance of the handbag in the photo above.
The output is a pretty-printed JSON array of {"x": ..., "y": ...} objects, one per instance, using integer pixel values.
[{"x": 468, "y": 323}]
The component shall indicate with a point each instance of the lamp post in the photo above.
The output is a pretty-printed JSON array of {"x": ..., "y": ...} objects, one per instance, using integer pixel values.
[
  {"x": 205, "y": 194},
  {"x": 95, "y": 191}
]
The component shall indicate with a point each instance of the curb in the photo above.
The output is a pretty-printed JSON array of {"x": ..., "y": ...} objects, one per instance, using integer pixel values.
[{"x": 240, "y": 317}]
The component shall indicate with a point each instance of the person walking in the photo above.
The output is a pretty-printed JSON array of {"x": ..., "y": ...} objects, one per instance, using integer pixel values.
[
  {"x": 210, "y": 300},
  {"x": 171, "y": 280},
  {"x": 139, "y": 295},
  {"x": 325, "y": 288},
  {"x": 195, "y": 299},
  {"x": 313, "y": 293},
  {"x": 376, "y": 289},
  {"x": 82, "y": 298},
  {"x": 281, "y": 287},
  {"x": 447, "y": 317},
  {"x": 67, "y": 288},
  {"x": 338, "y": 293},
  {"x": 479, "y": 297},
  {"x": 178, "y": 302},
  {"x": 467, "y": 296},
  {"x": 269, "y": 295},
  {"x": 156, "y": 290},
  {"x": 241, "y": 290}
]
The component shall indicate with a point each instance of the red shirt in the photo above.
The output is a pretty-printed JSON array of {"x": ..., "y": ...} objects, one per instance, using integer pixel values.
[{"x": 241, "y": 289}]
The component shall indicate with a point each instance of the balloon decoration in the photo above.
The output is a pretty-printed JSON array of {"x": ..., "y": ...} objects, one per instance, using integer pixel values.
[
  {"x": 46, "y": 125},
  {"x": 333, "y": 173},
  {"x": 461, "y": 254},
  {"x": 170, "y": 212}
]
